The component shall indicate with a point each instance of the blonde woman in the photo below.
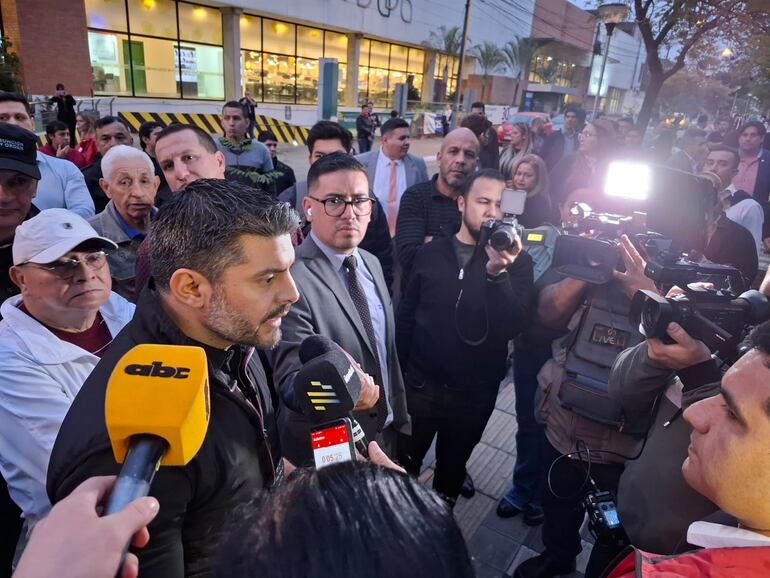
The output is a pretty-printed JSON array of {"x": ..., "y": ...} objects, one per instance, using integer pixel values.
[
  {"x": 84, "y": 123},
  {"x": 529, "y": 173},
  {"x": 521, "y": 144}
]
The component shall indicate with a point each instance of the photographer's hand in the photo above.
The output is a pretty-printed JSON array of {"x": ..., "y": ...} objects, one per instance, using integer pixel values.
[
  {"x": 633, "y": 279},
  {"x": 499, "y": 261},
  {"x": 686, "y": 352}
]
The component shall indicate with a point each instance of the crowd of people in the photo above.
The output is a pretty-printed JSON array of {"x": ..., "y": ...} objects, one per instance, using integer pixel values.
[{"x": 199, "y": 240}]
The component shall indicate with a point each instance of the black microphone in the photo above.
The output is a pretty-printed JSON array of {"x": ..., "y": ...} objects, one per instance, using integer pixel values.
[{"x": 328, "y": 385}]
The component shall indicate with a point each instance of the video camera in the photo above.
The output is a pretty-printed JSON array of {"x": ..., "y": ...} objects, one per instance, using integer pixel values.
[{"x": 500, "y": 234}]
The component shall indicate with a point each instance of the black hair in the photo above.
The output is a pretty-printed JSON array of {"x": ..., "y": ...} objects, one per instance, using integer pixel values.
[
  {"x": 238, "y": 105},
  {"x": 204, "y": 138},
  {"x": 59, "y": 86},
  {"x": 145, "y": 130},
  {"x": 477, "y": 124},
  {"x": 55, "y": 126},
  {"x": 719, "y": 147},
  {"x": 755, "y": 123},
  {"x": 393, "y": 114},
  {"x": 266, "y": 135},
  {"x": 760, "y": 338},
  {"x": 328, "y": 130},
  {"x": 580, "y": 113},
  {"x": 467, "y": 184},
  {"x": 392, "y": 124},
  {"x": 202, "y": 228},
  {"x": 348, "y": 520},
  {"x": 478, "y": 104},
  {"x": 14, "y": 97},
  {"x": 107, "y": 120},
  {"x": 332, "y": 163},
  {"x": 692, "y": 133},
  {"x": 364, "y": 105}
]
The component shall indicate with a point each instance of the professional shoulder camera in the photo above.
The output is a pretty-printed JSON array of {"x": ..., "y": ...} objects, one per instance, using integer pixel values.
[{"x": 501, "y": 234}]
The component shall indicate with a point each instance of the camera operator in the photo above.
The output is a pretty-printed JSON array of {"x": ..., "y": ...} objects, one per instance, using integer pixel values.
[
  {"x": 464, "y": 302},
  {"x": 573, "y": 307},
  {"x": 654, "y": 382}
]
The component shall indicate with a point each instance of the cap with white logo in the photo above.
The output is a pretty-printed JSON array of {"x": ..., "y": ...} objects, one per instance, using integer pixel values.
[
  {"x": 18, "y": 150},
  {"x": 52, "y": 234}
]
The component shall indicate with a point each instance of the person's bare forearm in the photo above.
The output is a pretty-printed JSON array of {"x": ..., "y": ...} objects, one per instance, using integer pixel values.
[{"x": 557, "y": 302}]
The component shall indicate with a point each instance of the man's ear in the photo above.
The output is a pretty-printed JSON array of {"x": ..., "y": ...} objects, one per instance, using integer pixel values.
[
  {"x": 190, "y": 288},
  {"x": 18, "y": 277},
  {"x": 306, "y": 209},
  {"x": 461, "y": 204},
  {"x": 105, "y": 187}
]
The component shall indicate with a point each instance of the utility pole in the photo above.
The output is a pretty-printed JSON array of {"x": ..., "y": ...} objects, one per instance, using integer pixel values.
[{"x": 462, "y": 59}]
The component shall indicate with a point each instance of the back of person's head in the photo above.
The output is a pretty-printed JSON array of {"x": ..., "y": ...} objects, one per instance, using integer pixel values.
[
  {"x": 467, "y": 184},
  {"x": 55, "y": 126},
  {"x": 108, "y": 120},
  {"x": 205, "y": 139},
  {"x": 476, "y": 123},
  {"x": 145, "y": 130},
  {"x": 692, "y": 134},
  {"x": 349, "y": 520},
  {"x": 392, "y": 124},
  {"x": 202, "y": 228},
  {"x": 266, "y": 135},
  {"x": 332, "y": 163},
  {"x": 328, "y": 130},
  {"x": 6, "y": 96},
  {"x": 478, "y": 104},
  {"x": 394, "y": 114}
]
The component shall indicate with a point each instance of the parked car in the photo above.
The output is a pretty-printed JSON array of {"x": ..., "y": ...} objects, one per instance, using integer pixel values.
[{"x": 504, "y": 130}]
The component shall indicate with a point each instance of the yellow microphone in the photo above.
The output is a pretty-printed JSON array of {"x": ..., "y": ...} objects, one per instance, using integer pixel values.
[{"x": 157, "y": 413}]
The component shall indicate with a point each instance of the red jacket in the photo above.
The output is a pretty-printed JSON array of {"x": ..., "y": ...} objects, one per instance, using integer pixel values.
[
  {"x": 87, "y": 147},
  {"x": 748, "y": 562},
  {"x": 73, "y": 156}
]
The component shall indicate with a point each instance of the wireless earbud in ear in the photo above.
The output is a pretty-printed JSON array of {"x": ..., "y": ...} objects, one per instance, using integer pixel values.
[{"x": 310, "y": 212}]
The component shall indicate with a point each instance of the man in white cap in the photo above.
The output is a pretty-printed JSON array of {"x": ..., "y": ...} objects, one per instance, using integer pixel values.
[{"x": 51, "y": 337}]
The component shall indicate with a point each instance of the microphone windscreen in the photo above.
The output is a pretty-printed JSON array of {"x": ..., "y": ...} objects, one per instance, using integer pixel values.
[
  {"x": 161, "y": 390},
  {"x": 327, "y": 386},
  {"x": 314, "y": 346}
]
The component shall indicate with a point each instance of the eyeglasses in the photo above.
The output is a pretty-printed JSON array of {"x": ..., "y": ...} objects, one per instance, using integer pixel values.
[
  {"x": 336, "y": 206},
  {"x": 65, "y": 268}
]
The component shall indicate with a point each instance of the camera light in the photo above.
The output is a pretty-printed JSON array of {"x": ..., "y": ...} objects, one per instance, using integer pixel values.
[{"x": 628, "y": 181}]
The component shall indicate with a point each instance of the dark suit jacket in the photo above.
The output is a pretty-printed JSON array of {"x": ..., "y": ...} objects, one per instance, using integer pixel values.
[
  {"x": 325, "y": 308},
  {"x": 761, "y": 191}
]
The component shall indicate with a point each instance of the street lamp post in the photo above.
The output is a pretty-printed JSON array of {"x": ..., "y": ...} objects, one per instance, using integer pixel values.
[{"x": 611, "y": 14}]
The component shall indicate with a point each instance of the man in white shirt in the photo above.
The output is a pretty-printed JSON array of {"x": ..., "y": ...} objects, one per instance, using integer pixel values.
[
  {"x": 391, "y": 169},
  {"x": 51, "y": 337},
  {"x": 740, "y": 207}
]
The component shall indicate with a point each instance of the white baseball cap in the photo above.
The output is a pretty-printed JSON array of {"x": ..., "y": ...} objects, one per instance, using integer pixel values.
[{"x": 50, "y": 235}]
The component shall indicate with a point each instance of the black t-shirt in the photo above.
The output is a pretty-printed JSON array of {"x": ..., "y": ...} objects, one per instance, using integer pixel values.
[{"x": 732, "y": 244}]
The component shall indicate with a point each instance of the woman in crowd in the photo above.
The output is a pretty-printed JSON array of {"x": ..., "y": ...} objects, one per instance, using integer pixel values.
[
  {"x": 530, "y": 174},
  {"x": 580, "y": 176},
  {"x": 84, "y": 122},
  {"x": 521, "y": 144}
]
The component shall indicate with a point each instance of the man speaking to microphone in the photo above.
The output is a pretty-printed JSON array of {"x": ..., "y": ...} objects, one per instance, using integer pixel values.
[{"x": 220, "y": 256}]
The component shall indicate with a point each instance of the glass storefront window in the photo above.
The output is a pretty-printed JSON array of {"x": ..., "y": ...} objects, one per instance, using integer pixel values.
[
  {"x": 336, "y": 46},
  {"x": 200, "y": 24},
  {"x": 343, "y": 75},
  {"x": 153, "y": 17},
  {"x": 310, "y": 42},
  {"x": 278, "y": 36},
  {"x": 111, "y": 73},
  {"x": 251, "y": 32},
  {"x": 398, "y": 57},
  {"x": 378, "y": 87},
  {"x": 416, "y": 61},
  {"x": 307, "y": 81},
  {"x": 251, "y": 65},
  {"x": 201, "y": 71},
  {"x": 379, "y": 57},
  {"x": 155, "y": 71},
  {"x": 106, "y": 15},
  {"x": 363, "y": 59},
  {"x": 279, "y": 78}
]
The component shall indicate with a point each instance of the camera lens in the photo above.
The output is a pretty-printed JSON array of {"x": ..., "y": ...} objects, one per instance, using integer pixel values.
[{"x": 502, "y": 237}]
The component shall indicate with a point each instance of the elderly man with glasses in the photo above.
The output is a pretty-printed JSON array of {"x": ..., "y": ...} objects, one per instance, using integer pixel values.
[{"x": 51, "y": 337}]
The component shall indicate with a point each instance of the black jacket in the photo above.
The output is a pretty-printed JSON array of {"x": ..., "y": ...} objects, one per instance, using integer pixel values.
[
  {"x": 92, "y": 173},
  {"x": 199, "y": 501},
  {"x": 426, "y": 330}
]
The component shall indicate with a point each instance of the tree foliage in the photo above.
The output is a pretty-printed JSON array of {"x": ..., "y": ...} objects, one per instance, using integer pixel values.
[
  {"x": 490, "y": 58},
  {"x": 447, "y": 40},
  {"x": 10, "y": 66},
  {"x": 683, "y": 25}
]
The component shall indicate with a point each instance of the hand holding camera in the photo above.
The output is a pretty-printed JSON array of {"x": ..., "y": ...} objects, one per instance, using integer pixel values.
[
  {"x": 685, "y": 351},
  {"x": 633, "y": 279},
  {"x": 501, "y": 259}
]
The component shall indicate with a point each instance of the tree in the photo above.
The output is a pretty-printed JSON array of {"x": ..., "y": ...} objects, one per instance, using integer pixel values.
[
  {"x": 490, "y": 58},
  {"x": 684, "y": 24},
  {"x": 9, "y": 67},
  {"x": 693, "y": 93},
  {"x": 447, "y": 40},
  {"x": 518, "y": 56}
]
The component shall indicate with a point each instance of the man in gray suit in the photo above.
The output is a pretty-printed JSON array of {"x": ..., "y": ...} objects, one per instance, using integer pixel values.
[
  {"x": 391, "y": 169},
  {"x": 692, "y": 151},
  {"x": 343, "y": 296}
]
